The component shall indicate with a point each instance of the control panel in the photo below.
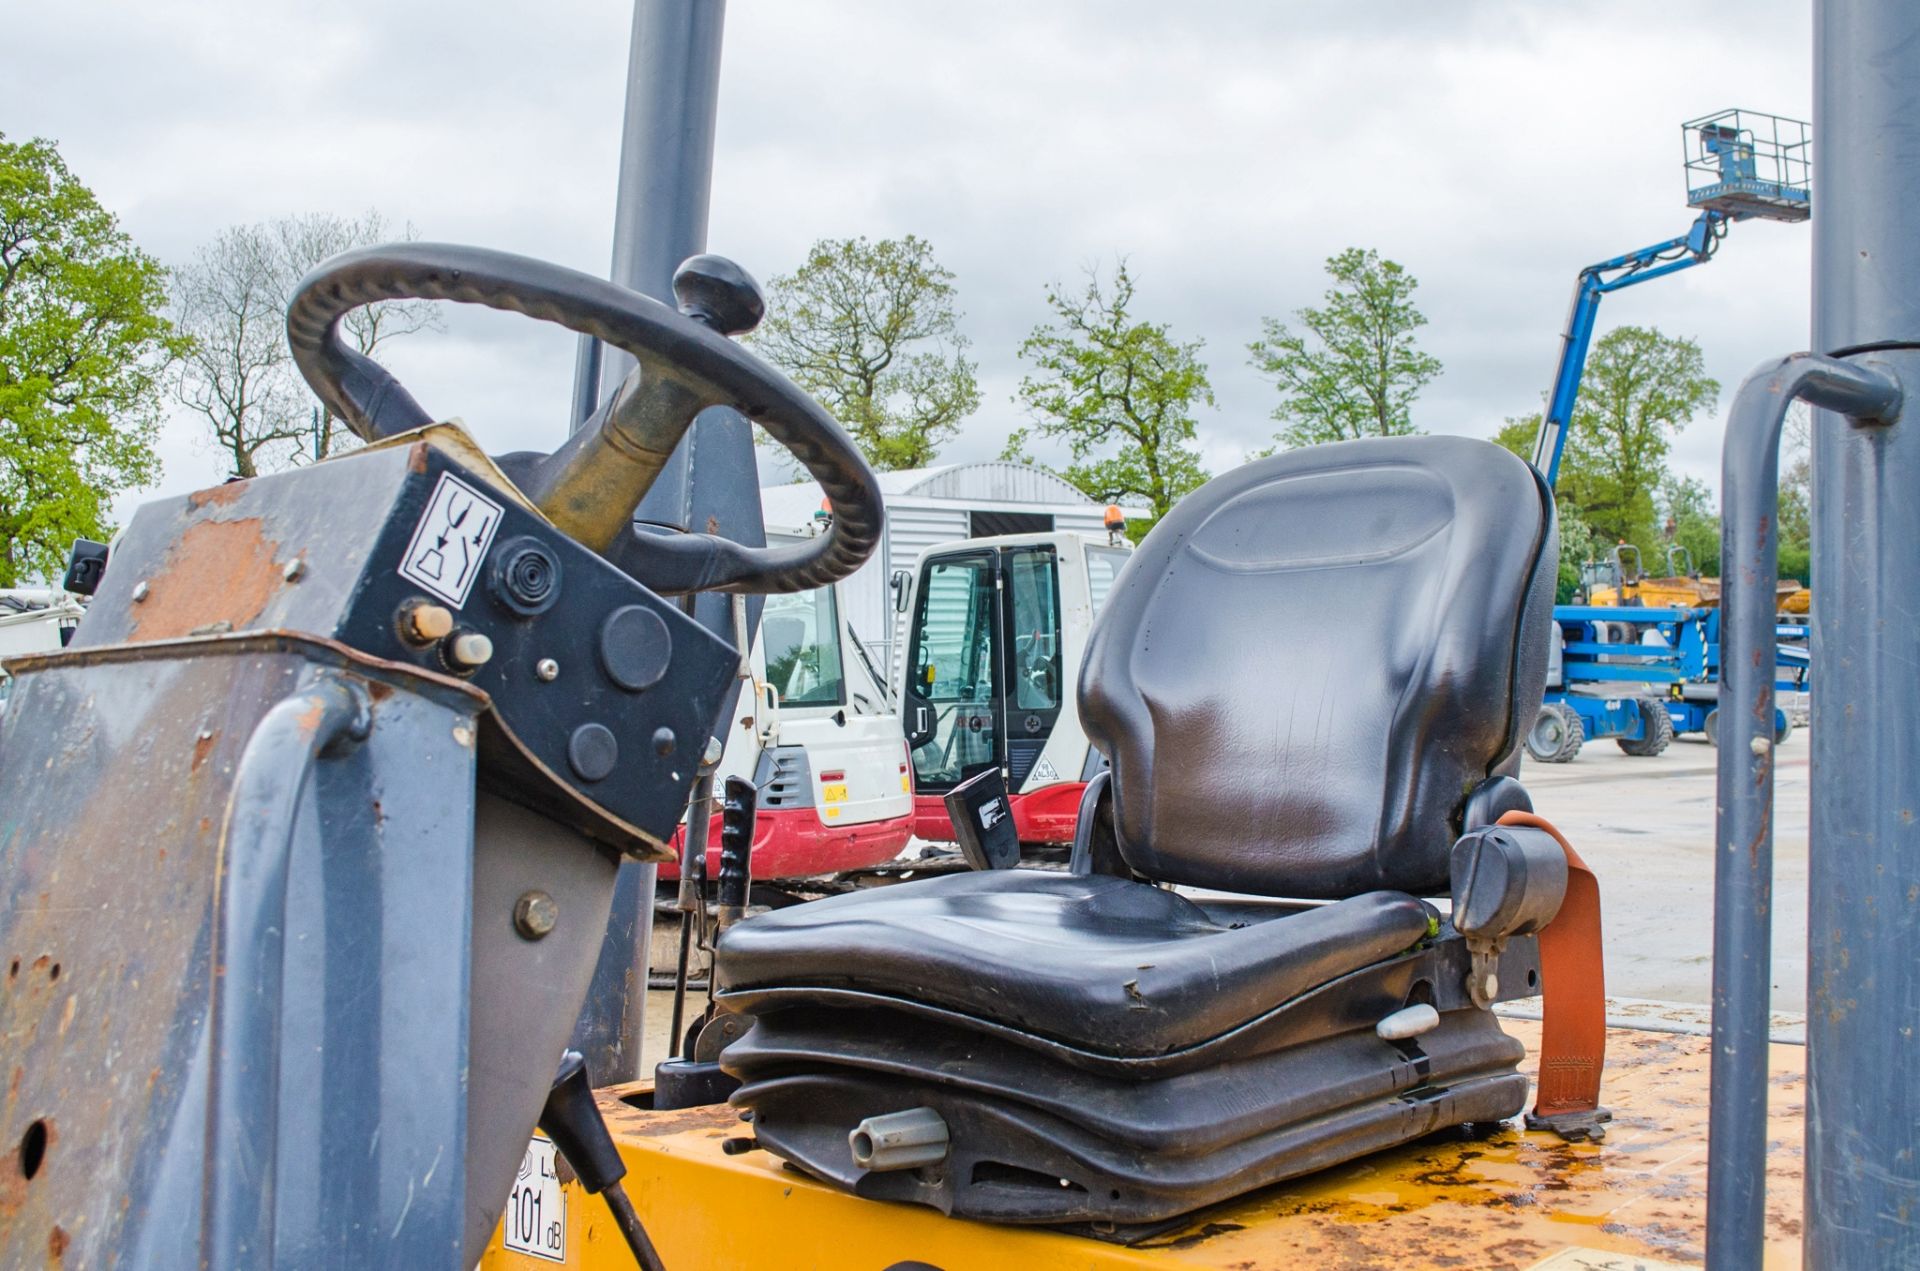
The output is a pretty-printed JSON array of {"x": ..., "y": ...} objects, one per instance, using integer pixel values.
[{"x": 602, "y": 691}]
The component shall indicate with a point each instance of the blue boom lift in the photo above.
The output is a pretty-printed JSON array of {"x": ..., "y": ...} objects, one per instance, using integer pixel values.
[{"x": 1740, "y": 165}]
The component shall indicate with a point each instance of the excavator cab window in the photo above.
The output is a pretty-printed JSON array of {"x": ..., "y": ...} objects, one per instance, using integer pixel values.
[
  {"x": 800, "y": 633},
  {"x": 1033, "y": 583},
  {"x": 987, "y": 676},
  {"x": 954, "y": 696}
]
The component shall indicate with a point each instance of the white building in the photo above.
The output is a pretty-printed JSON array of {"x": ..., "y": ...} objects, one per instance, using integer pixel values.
[{"x": 930, "y": 506}]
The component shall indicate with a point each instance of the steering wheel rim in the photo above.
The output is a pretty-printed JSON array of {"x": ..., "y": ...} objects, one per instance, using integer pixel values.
[{"x": 367, "y": 397}]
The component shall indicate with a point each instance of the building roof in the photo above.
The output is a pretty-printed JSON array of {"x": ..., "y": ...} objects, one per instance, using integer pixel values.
[{"x": 987, "y": 482}]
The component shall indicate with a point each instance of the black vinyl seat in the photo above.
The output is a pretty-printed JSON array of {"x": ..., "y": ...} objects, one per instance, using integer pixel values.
[
  {"x": 1311, "y": 679},
  {"x": 1098, "y": 963}
]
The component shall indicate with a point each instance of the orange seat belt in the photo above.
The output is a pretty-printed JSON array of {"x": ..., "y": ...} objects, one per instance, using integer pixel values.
[{"x": 1573, "y": 1029}]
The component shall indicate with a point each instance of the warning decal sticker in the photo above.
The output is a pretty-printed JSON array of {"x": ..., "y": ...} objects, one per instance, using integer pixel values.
[{"x": 451, "y": 540}]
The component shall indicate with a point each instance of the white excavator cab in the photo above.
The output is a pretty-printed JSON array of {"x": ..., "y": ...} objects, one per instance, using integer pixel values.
[{"x": 996, "y": 631}]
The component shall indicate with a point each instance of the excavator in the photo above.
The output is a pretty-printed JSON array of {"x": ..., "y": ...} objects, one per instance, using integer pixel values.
[{"x": 313, "y": 848}]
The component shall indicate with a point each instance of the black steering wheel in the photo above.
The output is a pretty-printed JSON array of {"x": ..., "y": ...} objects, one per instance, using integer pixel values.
[{"x": 591, "y": 485}]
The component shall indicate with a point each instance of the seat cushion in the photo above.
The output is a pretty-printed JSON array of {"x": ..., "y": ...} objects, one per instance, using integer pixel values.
[{"x": 1102, "y": 963}]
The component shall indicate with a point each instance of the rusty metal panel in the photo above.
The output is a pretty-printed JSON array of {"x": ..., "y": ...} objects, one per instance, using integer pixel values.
[{"x": 115, "y": 824}]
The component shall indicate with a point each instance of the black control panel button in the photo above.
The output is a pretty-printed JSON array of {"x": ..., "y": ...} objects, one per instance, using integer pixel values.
[
  {"x": 635, "y": 648},
  {"x": 592, "y": 752}
]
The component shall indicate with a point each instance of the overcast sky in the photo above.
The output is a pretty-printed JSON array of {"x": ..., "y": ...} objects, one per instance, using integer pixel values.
[{"x": 1227, "y": 147}]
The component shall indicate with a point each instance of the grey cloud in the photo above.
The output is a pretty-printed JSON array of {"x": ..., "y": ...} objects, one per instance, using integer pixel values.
[{"x": 1494, "y": 147}]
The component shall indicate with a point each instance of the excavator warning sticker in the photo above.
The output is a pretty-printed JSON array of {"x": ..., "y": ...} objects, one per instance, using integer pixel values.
[
  {"x": 536, "y": 1217},
  {"x": 451, "y": 540}
]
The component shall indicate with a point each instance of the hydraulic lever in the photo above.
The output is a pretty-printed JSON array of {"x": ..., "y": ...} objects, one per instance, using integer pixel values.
[{"x": 572, "y": 1120}]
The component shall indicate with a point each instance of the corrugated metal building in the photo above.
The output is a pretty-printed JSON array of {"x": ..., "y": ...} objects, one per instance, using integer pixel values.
[{"x": 931, "y": 506}]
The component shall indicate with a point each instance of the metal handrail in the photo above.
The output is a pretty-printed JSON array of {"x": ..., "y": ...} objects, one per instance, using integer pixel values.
[
  {"x": 1743, "y": 856},
  {"x": 256, "y": 858}
]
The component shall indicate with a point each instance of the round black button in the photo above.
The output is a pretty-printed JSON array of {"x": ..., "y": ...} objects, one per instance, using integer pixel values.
[
  {"x": 593, "y": 751},
  {"x": 634, "y": 647}
]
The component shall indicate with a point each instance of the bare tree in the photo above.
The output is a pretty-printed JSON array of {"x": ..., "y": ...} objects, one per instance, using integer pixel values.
[
  {"x": 232, "y": 300},
  {"x": 304, "y": 242},
  {"x": 239, "y": 373}
]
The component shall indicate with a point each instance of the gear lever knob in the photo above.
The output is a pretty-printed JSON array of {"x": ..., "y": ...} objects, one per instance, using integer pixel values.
[{"x": 714, "y": 290}]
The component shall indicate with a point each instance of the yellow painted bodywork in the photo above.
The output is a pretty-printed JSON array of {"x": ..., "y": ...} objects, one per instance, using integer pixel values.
[
  {"x": 1661, "y": 593},
  {"x": 1692, "y": 593},
  {"x": 1514, "y": 1200}
]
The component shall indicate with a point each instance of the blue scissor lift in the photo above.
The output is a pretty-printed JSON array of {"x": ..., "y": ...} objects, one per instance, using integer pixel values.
[{"x": 1635, "y": 674}]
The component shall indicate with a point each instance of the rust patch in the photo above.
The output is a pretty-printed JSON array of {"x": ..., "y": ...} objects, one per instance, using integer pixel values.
[
  {"x": 218, "y": 571},
  {"x": 717, "y": 1120},
  {"x": 13, "y": 1185},
  {"x": 219, "y": 495},
  {"x": 311, "y": 718},
  {"x": 202, "y": 747},
  {"x": 417, "y": 457},
  {"x": 57, "y": 1243}
]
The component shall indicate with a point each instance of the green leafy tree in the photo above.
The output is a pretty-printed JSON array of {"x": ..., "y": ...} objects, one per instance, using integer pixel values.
[
  {"x": 83, "y": 343},
  {"x": 1119, "y": 391},
  {"x": 1688, "y": 519},
  {"x": 1355, "y": 366},
  {"x": 1640, "y": 389},
  {"x": 870, "y": 330}
]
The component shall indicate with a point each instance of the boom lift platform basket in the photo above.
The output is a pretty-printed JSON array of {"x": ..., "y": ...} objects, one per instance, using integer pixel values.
[{"x": 1745, "y": 163}]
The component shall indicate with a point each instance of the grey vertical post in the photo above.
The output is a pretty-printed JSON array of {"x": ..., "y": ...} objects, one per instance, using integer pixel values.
[
  {"x": 1863, "y": 955},
  {"x": 660, "y": 219}
]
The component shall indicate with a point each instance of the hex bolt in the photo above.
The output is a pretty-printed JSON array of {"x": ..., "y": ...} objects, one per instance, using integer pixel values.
[
  {"x": 423, "y": 623},
  {"x": 294, "y": 569},
  {"x": 140, "y": 591},
  {"x": 535, "y": 914},
  {"x": 664, "y": 741},
  {"x": 470, "y": 650},
  {"x": 546, "y": 670},
  {"x": 715, "y": 750}
]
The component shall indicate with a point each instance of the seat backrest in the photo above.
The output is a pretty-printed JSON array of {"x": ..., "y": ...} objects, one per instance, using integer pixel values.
[{"x": 1309, "y": 664}]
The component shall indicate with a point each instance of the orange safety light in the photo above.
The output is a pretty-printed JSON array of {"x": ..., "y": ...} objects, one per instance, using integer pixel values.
[{"x": 1116, "y": 520}]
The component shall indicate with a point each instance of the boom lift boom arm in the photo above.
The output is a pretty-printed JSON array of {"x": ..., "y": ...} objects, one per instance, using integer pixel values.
[{"x": 1695, "y": 247}]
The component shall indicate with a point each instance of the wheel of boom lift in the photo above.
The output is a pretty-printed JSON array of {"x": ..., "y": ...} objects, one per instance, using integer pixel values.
[
  {"x": 1557, "y": 733},
  {"x": 686, "y": 364},
  {"x": 1782, "y": 727},
  {"x": 1656, "y": 729}
]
